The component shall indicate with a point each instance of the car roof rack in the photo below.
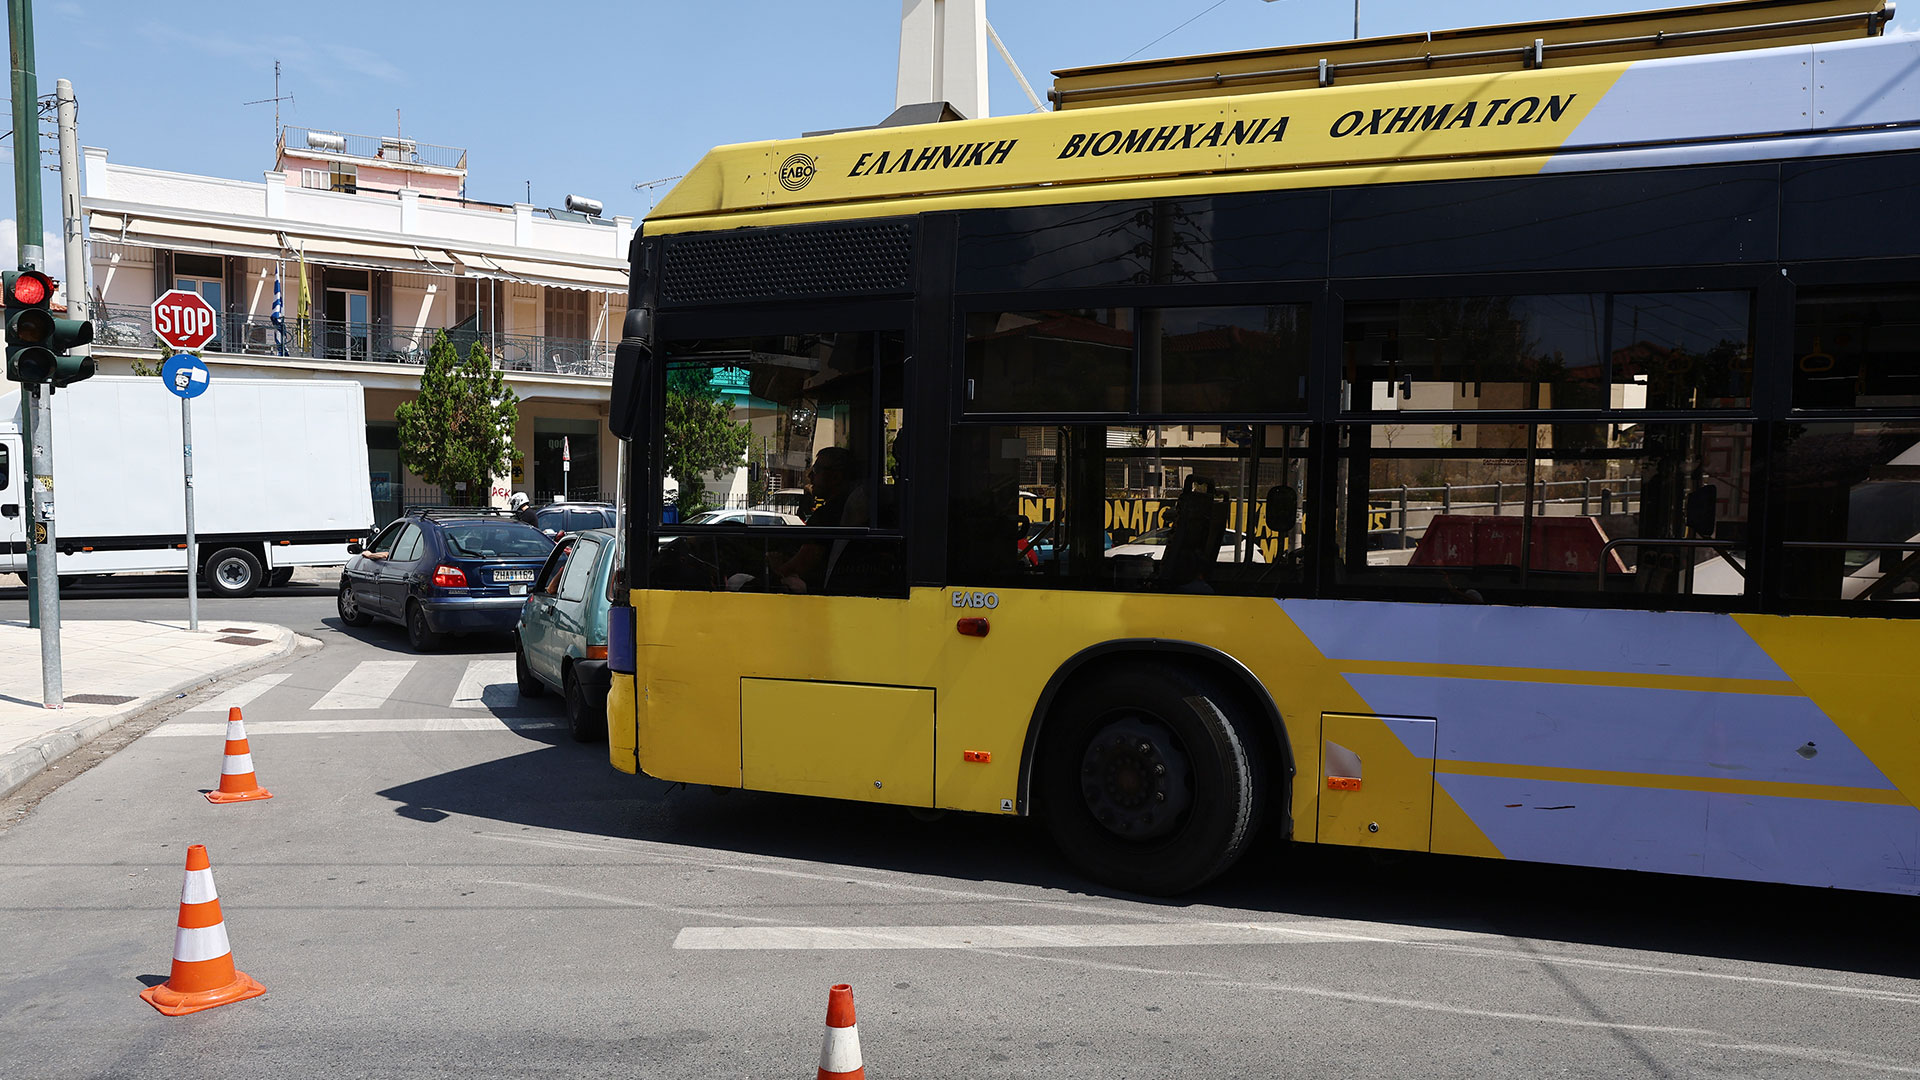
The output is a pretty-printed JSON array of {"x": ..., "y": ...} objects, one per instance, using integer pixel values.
[{"x": 455, "y": 511}]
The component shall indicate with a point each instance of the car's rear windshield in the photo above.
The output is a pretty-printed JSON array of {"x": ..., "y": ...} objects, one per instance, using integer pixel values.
[{"x": 498, "y": 540}]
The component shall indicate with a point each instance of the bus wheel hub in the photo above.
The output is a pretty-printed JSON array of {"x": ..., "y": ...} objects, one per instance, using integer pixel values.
[{"x": 1134, "y": 778}]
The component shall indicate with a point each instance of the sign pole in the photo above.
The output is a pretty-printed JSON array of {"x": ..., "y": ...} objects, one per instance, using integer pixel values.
[
  {"x": 187, "y": 378},
  {"x": 193, "y": 547}
]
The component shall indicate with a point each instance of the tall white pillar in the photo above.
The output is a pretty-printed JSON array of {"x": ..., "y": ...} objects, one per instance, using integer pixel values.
[{"x": 943, "y": 55}]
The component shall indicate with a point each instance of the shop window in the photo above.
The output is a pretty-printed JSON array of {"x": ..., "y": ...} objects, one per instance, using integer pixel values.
[
  {"x": 1203, "y": 508},
  {"x": 1474, "y": 512}
]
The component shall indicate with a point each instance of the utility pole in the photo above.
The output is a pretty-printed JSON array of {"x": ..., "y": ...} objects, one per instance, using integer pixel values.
[
  {"x": 79, "y": 297},
  {"x": 25, "y": 86}
]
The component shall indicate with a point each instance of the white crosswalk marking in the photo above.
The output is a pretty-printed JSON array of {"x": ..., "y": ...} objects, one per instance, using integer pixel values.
[
  {"x": 240, "y": 696},
  {"x": 487, "y": 684},
  {"x": 367, "y": 686},
  {"x": 178, "y": 730}
]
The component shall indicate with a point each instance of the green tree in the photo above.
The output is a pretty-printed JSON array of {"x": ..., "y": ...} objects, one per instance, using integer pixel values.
[
  {"x": 460, "y": 427},
  {"x": 701, "y": 434}
]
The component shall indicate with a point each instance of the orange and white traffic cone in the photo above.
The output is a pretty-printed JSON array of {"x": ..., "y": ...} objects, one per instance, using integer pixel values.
[
  {"x": 237, "y": 782},
  {"x": 840, "y": 1053},
  {"x": 203, "y": 972}
]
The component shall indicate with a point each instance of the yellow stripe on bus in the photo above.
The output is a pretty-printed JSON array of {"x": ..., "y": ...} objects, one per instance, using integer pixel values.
[{"x": 1668, "y": 782}]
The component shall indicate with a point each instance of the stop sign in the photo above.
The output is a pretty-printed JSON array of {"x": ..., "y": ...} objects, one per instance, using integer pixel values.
[{"x": 183, "y": 320}]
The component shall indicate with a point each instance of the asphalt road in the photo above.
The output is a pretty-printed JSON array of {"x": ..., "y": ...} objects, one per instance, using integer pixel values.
[{"x": 444, "y": 884}]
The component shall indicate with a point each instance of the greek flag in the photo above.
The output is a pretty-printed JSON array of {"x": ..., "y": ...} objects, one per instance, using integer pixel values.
[{"x": 279, "y": 316}]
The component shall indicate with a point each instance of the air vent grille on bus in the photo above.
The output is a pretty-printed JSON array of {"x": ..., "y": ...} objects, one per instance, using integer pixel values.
[{"x": 755, "y": 264}]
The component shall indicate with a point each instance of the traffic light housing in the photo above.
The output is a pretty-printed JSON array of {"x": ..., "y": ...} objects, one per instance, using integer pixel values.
[{"x": 37, "y": 343}]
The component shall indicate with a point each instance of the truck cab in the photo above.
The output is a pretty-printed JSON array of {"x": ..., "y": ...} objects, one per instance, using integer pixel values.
[{"x": 13, "y": 501}]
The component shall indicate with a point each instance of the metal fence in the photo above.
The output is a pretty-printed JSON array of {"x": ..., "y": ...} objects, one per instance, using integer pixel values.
[
  {"x": 244, "y": 334},
  {"x": 1394, "y": 510},
  {"x": 392, "y": 148}
]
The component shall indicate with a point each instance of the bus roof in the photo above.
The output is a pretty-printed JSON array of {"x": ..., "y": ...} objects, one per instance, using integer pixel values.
[
  {"x": 1510, "y": 121},
  {"x": 1587, "y": 39}
]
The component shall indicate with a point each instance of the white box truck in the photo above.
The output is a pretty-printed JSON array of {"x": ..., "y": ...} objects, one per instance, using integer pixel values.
[{"x": 279, "y": 479}]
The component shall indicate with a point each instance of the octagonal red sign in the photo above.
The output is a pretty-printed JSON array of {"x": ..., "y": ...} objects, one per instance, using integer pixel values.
[{"x": 183, "y": 320}]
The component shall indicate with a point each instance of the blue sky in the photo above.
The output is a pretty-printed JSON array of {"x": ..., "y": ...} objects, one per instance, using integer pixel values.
[{"x": 592, "y": 96}]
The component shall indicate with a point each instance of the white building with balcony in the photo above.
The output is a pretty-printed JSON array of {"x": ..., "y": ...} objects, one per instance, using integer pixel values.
[{"x": 390, "y": 251}]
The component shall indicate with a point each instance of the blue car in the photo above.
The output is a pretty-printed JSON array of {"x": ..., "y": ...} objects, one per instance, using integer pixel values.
[{"x": 440, "y": 571}]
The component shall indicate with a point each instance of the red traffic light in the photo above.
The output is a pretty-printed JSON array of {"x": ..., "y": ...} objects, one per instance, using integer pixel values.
[{"x": 29, "y": 288}]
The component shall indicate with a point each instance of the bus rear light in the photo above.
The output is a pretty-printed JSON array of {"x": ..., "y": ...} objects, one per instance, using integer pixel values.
[
  {"x": 596, "y": 652},
  {"x": 972, "y": 627},
  {"x": 449, "y": 577}
]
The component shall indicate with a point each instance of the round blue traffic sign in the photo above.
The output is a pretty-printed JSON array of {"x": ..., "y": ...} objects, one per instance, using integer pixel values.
[{"x": 185, "y": 375}]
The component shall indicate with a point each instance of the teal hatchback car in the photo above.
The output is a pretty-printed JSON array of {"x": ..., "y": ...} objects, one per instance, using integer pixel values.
[{"x": 560, "y": 642}]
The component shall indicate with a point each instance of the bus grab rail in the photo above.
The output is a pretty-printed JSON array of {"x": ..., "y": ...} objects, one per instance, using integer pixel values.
[{"x": 1720, "y": 547}]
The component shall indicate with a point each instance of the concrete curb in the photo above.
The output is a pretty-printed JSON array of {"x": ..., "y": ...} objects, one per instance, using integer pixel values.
[{"x": 24, "y": 762}]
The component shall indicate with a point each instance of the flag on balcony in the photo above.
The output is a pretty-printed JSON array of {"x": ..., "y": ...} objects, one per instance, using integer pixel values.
[
  {"x": 300, "y": 310},
  {"x": 279, "y": 316}
]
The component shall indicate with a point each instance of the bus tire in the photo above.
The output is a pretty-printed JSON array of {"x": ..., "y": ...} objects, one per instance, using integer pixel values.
[
  {"x": 234, "y": 573},
  {"x": 1151, "y": 779}
]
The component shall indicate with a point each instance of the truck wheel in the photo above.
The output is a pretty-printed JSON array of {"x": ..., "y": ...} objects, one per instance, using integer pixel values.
[
  {"x": 278, "y": 578},
  {"x": 234, "y": 573},
  {"x": 350, "y": 612},
  {"x": 419, "y": 635},
  {"x": 1151, "y": 781}
]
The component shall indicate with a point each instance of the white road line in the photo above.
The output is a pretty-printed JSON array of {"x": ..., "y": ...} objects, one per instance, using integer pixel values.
[
  {"x": 240, "y": 696},
  {"x": 371, "y": 723},
  {"x": 367, "y": 686},
  {"x": 487, "y": 684},
  {"x": 1067, "y": 936}
]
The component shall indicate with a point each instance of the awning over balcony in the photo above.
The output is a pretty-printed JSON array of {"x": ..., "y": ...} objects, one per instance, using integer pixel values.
[
  {"x": 579, "y": 278},
  {"x": 142, "y": 230},
  {"x": 360, "y": 255},
  {"x": 181, "y": 236}
]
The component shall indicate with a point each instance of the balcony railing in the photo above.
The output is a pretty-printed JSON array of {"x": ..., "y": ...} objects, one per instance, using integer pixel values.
[
  {"x": 376, "y": 342},
  {"x": 391, "y": 148}
]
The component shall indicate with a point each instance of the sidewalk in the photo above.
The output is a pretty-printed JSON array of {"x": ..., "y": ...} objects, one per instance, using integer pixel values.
[{"x": 111, "y": 670}]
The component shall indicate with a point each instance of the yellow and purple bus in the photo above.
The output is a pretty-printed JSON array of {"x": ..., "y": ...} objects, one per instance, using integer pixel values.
[{"x": 1503, "y": 443}]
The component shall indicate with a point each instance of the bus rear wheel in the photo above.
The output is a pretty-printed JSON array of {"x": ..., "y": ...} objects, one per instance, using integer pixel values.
[{"x": 1151, "y": 780}]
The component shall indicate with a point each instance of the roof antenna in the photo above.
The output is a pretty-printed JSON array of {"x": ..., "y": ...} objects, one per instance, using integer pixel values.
[{"x": 277, "y": 98}]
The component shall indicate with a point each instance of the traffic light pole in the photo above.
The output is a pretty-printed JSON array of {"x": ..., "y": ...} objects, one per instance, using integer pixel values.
[
  {"x": 26, "y": 215},
  {"x": 47, "y": 581}
]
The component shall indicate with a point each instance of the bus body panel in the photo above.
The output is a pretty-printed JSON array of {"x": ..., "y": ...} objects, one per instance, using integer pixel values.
[{"x": 1753, "y": 747}]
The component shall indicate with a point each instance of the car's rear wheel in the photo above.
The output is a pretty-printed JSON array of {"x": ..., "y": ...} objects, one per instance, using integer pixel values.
[
  {"x": 1152, "y": 778},
  {"x": 349, "y": 608},
  {"x": 522, "y": 675},
  {"x": 587, "y": 720},
  {"x": 421, "y": 636}
]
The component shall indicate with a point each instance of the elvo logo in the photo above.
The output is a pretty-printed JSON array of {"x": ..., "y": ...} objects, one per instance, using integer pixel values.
[{"x": 797, "y": 171}]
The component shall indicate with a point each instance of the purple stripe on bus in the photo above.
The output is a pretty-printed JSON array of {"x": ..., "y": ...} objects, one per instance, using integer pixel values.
[
  {"x": 1566, "y": 639},
  {"x": 1622, "y": 729},
  {"x": 1754, "y": 838}
]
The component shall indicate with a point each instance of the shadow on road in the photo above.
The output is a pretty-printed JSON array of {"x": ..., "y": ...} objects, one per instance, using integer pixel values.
[
  {"x": 392, "y": 637},
  {"x": 568, "y": 787}
]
